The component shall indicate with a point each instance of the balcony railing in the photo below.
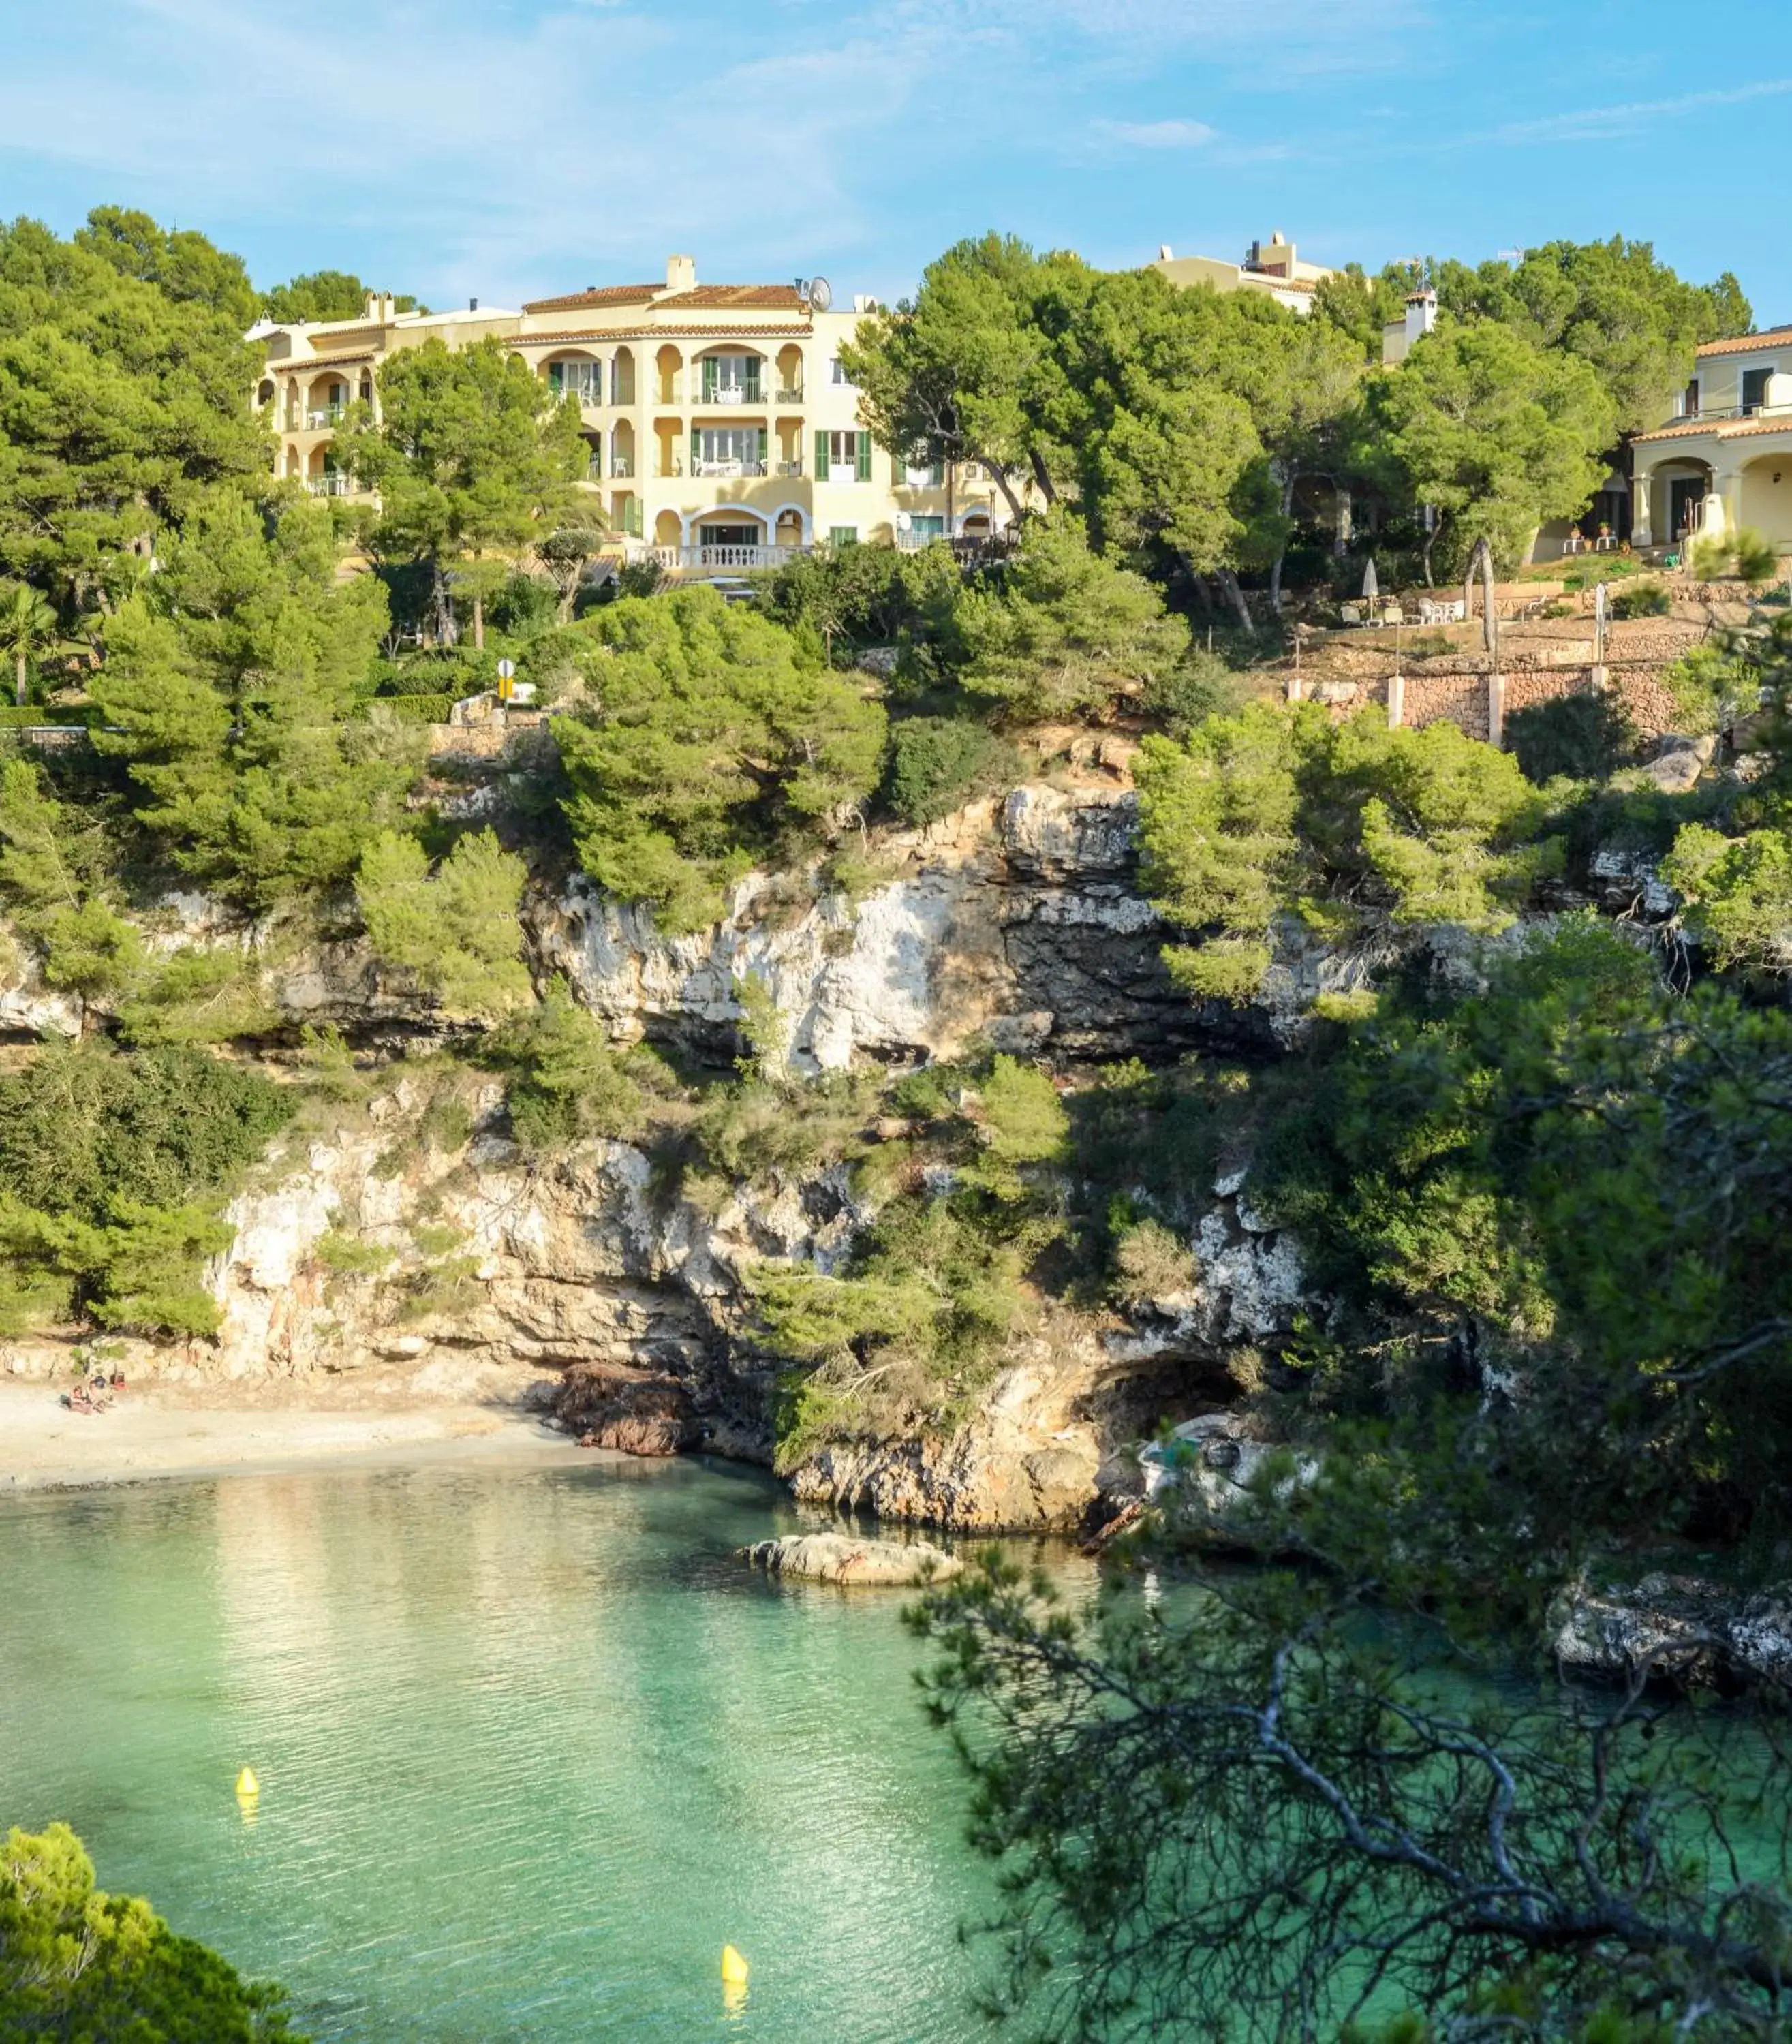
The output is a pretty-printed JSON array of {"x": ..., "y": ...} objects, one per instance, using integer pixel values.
[
  {"x": 1711, "y": 414},
  {"x": 731, "y": 468},
  {"x": 739, "y": 396},
  {"x": 330, "y": 484},
  {"x": 790, "y": 467},
  {"x": 736, "y": 558},
  {"x": 790, "y": 397},
  {"x": 325, "y": 415}
]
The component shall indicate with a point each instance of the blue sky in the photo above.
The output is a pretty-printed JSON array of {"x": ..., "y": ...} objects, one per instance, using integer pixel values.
[{"x": 459, "y": 146}]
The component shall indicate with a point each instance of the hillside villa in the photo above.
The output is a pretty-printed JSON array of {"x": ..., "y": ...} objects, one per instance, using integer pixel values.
[
  {"x": 722, "y": 429},
  {"x": 1724, "y": 459}
]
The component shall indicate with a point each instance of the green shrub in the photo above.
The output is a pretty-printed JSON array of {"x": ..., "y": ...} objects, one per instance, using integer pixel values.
[
  {"x": 1062, "y": 631},
  {"x": 1150, "y": 1263},
  {"x": 939, "y": 764},
  {"x": 1279, "y": 811},
  {"x": 1587, "y": 736},
  {"x": 112, "y": 1165},
  {"x": 454, "y": 931},
  {"x": 1708, "y": 683},
  {"x": 410, "y": 709},
  {"x": 708, "y": 745},
  {"x": 75, "y": 1962},
  {"x": 1201, "y": 686},
  {"x": 1738, "y": 892},
  {"x": 1642, "y": 599},
  {"x": 564, "y": 1082},
  {"x": 346, "y": 1255}
]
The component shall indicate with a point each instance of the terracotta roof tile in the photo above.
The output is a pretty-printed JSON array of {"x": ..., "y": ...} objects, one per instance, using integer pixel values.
[
  {"x": 775, "y": 297},
  {"x": 1746, "y": 344},
  {"x": 682, "y": 330},
  {"x": 609, "y": 294},
  {"x": 1680, "y": 430},
  {"x": 1721, "y": 429},
  {"x": 280, "y": 363},
  {"x": 780, "y": 298}
]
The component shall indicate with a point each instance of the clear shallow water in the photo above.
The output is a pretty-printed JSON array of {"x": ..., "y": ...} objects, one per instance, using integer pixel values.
[{"x": 533, "y": 1746}]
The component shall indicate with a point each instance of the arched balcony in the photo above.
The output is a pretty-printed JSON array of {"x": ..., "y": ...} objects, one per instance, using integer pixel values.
[
  {"x": 326, "y": 401},
  {"x": 789, "y": 375},
  {"x": 668, "y": 377},
  {"x": 731, "y": 379},
  {"x": 576, "y": 375}
]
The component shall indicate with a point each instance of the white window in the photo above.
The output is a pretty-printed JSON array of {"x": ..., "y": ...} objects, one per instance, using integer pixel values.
[
  {"x": 731, "y": 451},
  {"x": 583, "y": 379},
  {"x": 836, "y": 373},
  {"x": 733, "y": 379},
  {"x": 842, "y": 456}
]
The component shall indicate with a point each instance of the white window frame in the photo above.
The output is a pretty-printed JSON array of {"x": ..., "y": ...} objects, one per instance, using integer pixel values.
[
  {"x": 581, "y": 376},
  {"x": 843, "y": 467},
  {"x": 837, "y": 375},
  {"x": 731, "y": 451}
]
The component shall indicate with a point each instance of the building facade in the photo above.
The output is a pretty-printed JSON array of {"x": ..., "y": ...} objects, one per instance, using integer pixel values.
[
  {"x": 1272, "y": 268},
  {"x": 1724, "y": 461},
  {"x": 722, "y": 429}
]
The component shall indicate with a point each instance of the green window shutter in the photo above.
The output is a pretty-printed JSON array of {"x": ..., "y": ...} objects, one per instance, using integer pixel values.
[
  {"x": 696, "y": 449},
  {"x": 864, "y": 457},
  {"x": 556, "y": 377},
  {"x": 708, "y": 378},
  {"x": 821, "y": 455},
  {"x": 750, "y": 381},
  {"x": 761, "y": 457}
]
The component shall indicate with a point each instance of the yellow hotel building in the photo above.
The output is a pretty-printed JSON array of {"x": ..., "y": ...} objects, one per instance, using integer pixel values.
[{"x": 723, "y": 432}]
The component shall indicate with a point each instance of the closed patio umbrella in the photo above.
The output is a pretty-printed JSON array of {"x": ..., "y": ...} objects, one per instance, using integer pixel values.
[{"x": 1371, "y": 587}]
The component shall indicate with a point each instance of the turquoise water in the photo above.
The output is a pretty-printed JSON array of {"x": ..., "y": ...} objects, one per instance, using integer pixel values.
[{"x": 533, "y": 1746}]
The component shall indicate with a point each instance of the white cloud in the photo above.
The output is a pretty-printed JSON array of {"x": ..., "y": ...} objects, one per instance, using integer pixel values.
[
  {"x": 1157, "y": 134},
  {"x": 1594, "y": 123}
]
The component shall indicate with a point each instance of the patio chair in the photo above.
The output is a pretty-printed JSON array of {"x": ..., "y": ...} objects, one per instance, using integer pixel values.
[{"x": 1350, "y": 614}]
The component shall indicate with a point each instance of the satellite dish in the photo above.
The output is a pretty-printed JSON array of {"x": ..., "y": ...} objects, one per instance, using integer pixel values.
[
  {"x": 821, "y": 293},
  {"x": 904, "y": 522}
]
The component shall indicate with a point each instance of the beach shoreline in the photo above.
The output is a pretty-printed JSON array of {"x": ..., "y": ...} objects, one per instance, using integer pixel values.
[{"x": 163, "y": 1429}]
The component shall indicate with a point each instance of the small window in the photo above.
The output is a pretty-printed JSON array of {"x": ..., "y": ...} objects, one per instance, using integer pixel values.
[
  {"x": 843, "y": 455},
  {"x": 843, "y": 536},
  {"x": 836, "y": 373},
  {"x": 1755, "y": 389}
]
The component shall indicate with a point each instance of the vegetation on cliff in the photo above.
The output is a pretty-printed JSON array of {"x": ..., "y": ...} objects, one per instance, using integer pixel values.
[{"x": 77, "y": 1963}]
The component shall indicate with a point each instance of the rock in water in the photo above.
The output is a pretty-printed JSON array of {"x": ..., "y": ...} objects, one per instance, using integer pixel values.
[
  {"x": 615, "y": 1408},
  {"x": 832, "y": 1558}
]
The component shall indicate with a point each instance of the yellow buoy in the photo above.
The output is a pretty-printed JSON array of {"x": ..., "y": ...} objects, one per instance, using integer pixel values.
[
  {"x": 733, "y": 1967},
  {"x": 247, "y": 1784}
]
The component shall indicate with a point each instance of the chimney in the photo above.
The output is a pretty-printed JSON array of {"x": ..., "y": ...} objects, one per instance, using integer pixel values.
[
  {"x": 681, "y": 273},
  {"x": 1163, "y": 253},
  {"x": 370, "y": 309},
  {"x": 472, "y": 305},
  {"x": 1421, "y": 315}
]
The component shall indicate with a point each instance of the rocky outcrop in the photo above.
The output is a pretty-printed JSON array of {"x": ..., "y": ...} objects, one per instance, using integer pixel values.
[
  {"x": 28, "y": 1006},
  {"x": 834, "y": 1558},
  {"x": 627, "y": 1411},
  {"x": 1673, "y": 1627},
  {"x": 1017, "y": 921}
]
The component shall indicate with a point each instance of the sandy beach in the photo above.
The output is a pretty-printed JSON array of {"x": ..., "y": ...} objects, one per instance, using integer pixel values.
[{"x": 187, "y": 1430}]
